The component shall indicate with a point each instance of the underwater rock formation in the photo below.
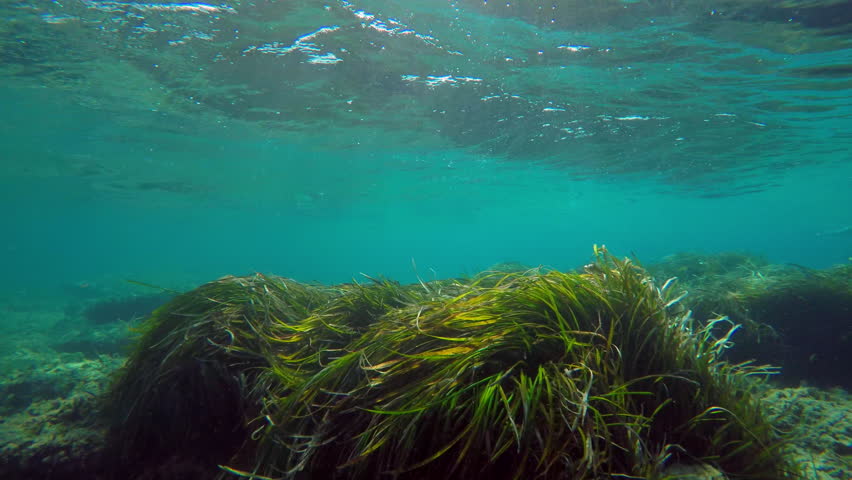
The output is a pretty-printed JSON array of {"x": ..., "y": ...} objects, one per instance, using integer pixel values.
[
  {"x": 820, "y": 424},
  {"x": 123, "y": 308},
  {"x": 50, "y": 425}
]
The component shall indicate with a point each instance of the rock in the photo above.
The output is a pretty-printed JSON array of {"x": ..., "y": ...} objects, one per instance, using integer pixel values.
[
  {"x": 820, "y": 422},
  {"x": 51, "y": 427}
]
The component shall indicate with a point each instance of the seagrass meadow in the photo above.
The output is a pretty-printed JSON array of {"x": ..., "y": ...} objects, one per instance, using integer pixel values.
[{"x": 593, "y": 374}]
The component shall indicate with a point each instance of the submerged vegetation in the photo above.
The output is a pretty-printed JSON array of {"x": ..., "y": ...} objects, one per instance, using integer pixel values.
[
  {"x": 792, "y": 316},
  {"x": 532, "y": 374}
]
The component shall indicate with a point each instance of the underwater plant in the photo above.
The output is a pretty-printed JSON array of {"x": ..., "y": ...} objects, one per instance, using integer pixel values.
[
  {"x": 535, "y": 374},
  {"x": 809, "y": 313},
  {"x": 792, "y": 316},
  {"x": 187, "y": 388},
  {"x": 551, "y": 375}
]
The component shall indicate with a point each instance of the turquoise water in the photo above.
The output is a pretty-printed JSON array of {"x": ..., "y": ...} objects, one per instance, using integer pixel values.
[{"x": 173, "y": 143}]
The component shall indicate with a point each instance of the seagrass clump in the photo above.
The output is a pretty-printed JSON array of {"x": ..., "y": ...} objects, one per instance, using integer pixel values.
[
  {"x": 792, "y": 316},
  {"x": 538, "y": 375},
  {"x": 191, "y": 383},
  {"x": 534, "y": 374},
  {"x": 205, "y": 362}
]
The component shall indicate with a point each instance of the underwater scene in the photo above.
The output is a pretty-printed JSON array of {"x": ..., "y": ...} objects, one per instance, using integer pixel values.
[{"x": 426, "y": 239}]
